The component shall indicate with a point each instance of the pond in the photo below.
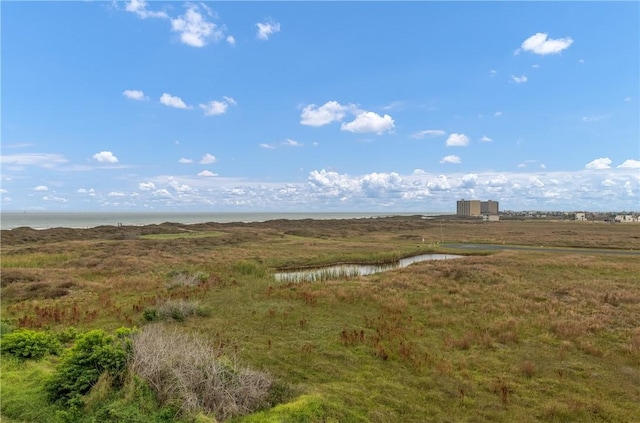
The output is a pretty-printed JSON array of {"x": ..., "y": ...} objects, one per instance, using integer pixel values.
[{"x": 344, "y": 271}]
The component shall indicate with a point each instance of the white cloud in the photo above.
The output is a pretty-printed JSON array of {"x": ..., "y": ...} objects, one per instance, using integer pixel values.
[
  {"x": 428, "y": 133},
  {"x": 519, "y": 79},
  {"x": 630, "y": 164},
  {"x": 457, "y": 140},
  {"x": 331, "y": 111},
  {"x": 539, "y": 43},
  {"x": 105, "y": 157},
  {"x": 54, "y": 199},
  {"x": 139, "y": 7},
  {"x": 493, "y": 72},
  {"x": 194, "y": 29},
  {"x": 116, "y": 194},
  {"x": 485, "y": 139},
  {"x": 146, "y": 186},
  {"x": 216, "y": 107},
  {"x": 369, "y": 122},
  {"x": 608, "y": 183},
  {"x": 267, "y": 28},
  {"x": 207, "y": 173},
  {"x": 173, "y": 101},
  {"x": 134, "y": 95},
  {"x": 208, "y": 159},
  {"x": 497, "y": 114},
  {"x": 627, "y": 98},
  {"x": 286, "y": 143},
  {"x": 536, "y": 66},
  {"x": 41, "y": 188},
  {"x": 292, "y": 143},
  {"x": 601, "y": 163},
  {"x": 231, "y": 40},
  {"x": 451, "y": 159},
  {"x": 230, "y": 100},
  {"x": 185, "y": 161}
]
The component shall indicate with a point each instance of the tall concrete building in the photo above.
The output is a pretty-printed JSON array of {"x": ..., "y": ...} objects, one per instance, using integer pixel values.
[
  {"x": 476, "y": 207},
  {"x": 468, "y": 208},
  {"x": 489, "y": 207}
]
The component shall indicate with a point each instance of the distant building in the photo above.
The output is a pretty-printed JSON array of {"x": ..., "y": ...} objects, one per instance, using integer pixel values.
[
  {"x": 468, "y": 208},
  {"x": 489, "y": 207},
  {"x": 624, "y": 218},
  {"x": 476, "y": 208},
  {"x": 581, "y": 217},
  {"x": 491, "y": 217}
]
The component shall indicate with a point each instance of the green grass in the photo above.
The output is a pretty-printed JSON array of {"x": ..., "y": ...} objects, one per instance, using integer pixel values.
[
  {"x": 183, "y": 235},
  {"x": 508, "y": 336}
]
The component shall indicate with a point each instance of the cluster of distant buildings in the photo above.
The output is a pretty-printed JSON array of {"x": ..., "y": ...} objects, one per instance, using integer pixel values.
[
  {"x": 621, "y": 218},
  {"x": 471, "y": 208},
  {"x": 490, "y": 211}
]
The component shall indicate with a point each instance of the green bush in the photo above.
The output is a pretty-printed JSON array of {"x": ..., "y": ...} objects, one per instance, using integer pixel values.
[
  {"x": 5, "y": 327},
  {"x": 29, "y": 344},
  {"x": 94, "y": 353}
]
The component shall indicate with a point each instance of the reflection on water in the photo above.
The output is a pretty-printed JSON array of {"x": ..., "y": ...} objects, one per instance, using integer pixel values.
[{"x": 344, "y": 271}]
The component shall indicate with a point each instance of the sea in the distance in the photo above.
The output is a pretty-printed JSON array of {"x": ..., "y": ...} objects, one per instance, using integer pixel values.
[{"x": 47, "y": 220}]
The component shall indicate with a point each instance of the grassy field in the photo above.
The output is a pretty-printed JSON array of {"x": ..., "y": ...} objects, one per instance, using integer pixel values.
[{"x": 506, "y": 336}]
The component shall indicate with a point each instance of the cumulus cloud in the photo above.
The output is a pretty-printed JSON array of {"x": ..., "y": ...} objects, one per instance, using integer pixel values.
[
  {"x": 208, "y": 159},
  {"x": 134, "y": 95},
  {"x": 428, "y": 133},
  {"x": 519, "y": 79},
  {"x": 116, "y": 194},
  {"x": 173, "y": 101},
  {"x": 485, "y": 139},
  {"x": 185, "y": 161},
  {"x": 540, "y": 43},
  {"x": 207, "y": 173},
  {"x": 105, "y": 157},
  {"x": 630, "y": 164},
  {"x": 216, "y": 107},
  {"x": 267, "y": 28},
  {"x": 601, "y": 163},
  {"x": 194, "y": 29},
  {"x": 451, "y": 159},
  {"x": 146, "y": 186},
  {"x": 41, "y": 188},
  {"x": 457, "y": 140},
  {"x": 331, "y": 111},
  {"x": 369, "y": 122},
  {"x": 139, "y": 7},
  {"x": 231, "y": 40}
]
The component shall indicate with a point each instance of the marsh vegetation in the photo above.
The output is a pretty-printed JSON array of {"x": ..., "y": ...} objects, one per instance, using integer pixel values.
[{"x": 497, "y": 336}]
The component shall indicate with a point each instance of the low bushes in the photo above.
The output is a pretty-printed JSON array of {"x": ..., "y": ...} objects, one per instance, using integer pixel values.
[
  {"x": 93, "y": 354},
  {"x": 29, "y": 344},
  {"x": 177, "y": 310}
]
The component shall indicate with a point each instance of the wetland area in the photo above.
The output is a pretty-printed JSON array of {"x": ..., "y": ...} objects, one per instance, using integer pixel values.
[{"x": 539, "y": 321}]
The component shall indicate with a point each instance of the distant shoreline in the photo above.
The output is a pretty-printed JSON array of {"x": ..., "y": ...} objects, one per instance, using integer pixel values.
[{"x": 85, "y": 220}]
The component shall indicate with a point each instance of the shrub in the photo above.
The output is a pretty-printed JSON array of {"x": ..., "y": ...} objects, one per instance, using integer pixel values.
[
  {"x": 6, "y": 327},
  {"x": 177, "y": 310},
  {"x": 29, "y": 344},
  {"x": 94, "y": 353},
  {"x": 190, "y": 374}
]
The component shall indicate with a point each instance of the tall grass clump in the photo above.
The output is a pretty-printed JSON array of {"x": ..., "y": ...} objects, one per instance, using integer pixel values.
[
  {"x": 177, "y": 310},
  {"x": 186, "y": 372}
]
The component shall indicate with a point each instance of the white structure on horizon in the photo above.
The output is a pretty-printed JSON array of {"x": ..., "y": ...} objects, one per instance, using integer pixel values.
[
  {"x": 624, "y": 218},
  {"x": 581, "y": 217}
]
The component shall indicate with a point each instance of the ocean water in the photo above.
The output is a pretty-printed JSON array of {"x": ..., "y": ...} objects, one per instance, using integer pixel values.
[{"x": 46, "y": 220}]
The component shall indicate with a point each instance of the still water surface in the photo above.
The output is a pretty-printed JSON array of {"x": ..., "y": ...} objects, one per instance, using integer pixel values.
[{"x": 344, "y": 271}]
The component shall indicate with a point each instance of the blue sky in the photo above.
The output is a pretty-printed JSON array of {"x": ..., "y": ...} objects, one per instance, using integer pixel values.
[{"x": 320, "y": 106}]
